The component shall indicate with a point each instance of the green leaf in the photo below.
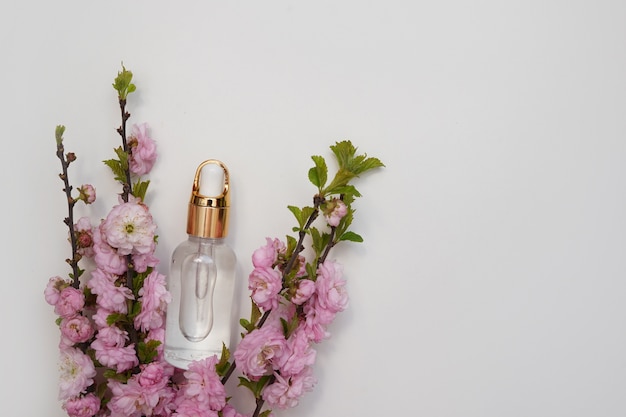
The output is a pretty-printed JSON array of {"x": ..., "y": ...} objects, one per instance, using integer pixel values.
[
  {"x": 301, "y": 215},
  {"x": 319, "y": 240},
  {"x": 291, "y": 244},
  {"x": 116, "y": 168},
  {"x": 222, "y": 366},
  {"x": 122, "y": 83},
  {"x": 311, "y": 271},
  {"x": 113, "y": 375},
  {"x": 351, "y": 236},
  {"x": 255, "y": 313},
  {"x": 297, "y": 214},
  {"x": 339, "y": 182},
  {"x": 266, "y": 413},
  {"x": 319, "y": 173},
  {"x": 123, "y": 157},
  {"x": 350, "y": 164},
  {"x": 367, "y": 164},
  {"x": 115, "y": 318},
  {"x": 147, "y": 351},
  {"x": 246, "y": 325},
  {"x": 140, "y": 189},
  {"x": 58, "y": 133},
  {"x": 346, "y": 156},
  {"x": 256, "y": 387}
]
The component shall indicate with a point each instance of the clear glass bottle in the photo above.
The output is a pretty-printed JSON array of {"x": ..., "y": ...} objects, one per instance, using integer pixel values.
[{"x": 202, "y": 273}]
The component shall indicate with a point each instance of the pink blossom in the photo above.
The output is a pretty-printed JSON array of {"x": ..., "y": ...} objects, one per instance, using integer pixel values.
[
  {"x": 330, "y": 287},
  {"x": 155, "y": 375},
  {"x": 190, "y": 407},
  {"x": 305, "y": 290},
  {"x": 230, "y": 411},
  {"x": 260, "y": 351},
  {"x": 111, "y": 297},
  {"x": 110, "y": 350},
  {"x": 84, "y": 239},
  {"x": 284, "y": 311},
  {"x": 76, "y": 373},
  {"x": 143, "y": 150},
  {"x": 146, "y": 393},
  {"x": 127, "y": 399},
  {"x": 129, "y": 228},
  {"x": 85, "y": 406},
  {"x": 286, "y": 392},
  {"x": 265, "y": 284},
  {"x": 76, "y": 329},
  {"x": 87, "y": 193},
  {"x": 106, "y": 257},
  {"x": 298, "y": 354},
  {"x": 204, "y": 385},
  {"x": 53, "y": 290},
  {"x": 70, "y": 302},
  {"x": 337, "y": 210},
  {"x": 154, "y": 298},
  {"x": 266, "y": 256},
  {"x": 143, "y": 261},
  {"x": 315, "y": 320},
  {"x": 100, "y": 317}
]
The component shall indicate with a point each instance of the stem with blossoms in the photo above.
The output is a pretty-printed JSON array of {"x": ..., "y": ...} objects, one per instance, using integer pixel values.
[
  {"x": 334, "y": 202},
  {"x": 124, "y": 87},
  {"x": 112, "y": 324}
]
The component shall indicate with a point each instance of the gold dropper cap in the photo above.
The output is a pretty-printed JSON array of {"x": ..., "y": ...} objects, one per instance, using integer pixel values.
[{"x": 207, "y": 215}]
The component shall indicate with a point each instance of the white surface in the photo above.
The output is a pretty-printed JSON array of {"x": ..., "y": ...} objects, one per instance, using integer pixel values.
[{"x": 491, "y": 281}]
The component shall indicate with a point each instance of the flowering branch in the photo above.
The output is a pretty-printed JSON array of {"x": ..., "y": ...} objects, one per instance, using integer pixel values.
[
  {"x": 124, "y": 86},
  {"x": 305, "y": 296},
  {"x": 112, "y": 320}
]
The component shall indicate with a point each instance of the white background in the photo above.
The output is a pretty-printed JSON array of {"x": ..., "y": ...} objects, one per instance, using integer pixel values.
[{"x": 491, "y": 280}]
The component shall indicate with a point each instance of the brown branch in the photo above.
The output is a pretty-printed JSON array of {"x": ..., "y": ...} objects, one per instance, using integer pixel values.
[
  {"x": 69, "y": 220},
  {"x": 126, "y": 187}
]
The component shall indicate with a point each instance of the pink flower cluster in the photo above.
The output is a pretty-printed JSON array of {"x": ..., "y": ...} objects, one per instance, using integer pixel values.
[
  {"x": 312, "y": 302},
  {"x": 124, "y": 240},
  {"x": 112, "y": 321},
  {"x": 143, "y": 150}
]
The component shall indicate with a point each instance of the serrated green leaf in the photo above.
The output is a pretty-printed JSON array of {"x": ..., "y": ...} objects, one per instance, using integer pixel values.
[
  {"x": 345, "y": 190},
  {"x": 140, "y": 189},
  {"x": 115, "y": 318},
  {"x": 367, "y": 164},
  {"x": 147, "y": 351},
  {"x": 297, "y": 214},
  {"x": 256, "y": 387},
  {"x": 301, "y": 214},
  {"x": 255, "y": 313},
  {"x": 246, "y": 325},
  {"x": 122, "y": 83},
  {"x": 123, "y": 158},
  {"x": 351, "y": 236},
  {"x": 116, "y": 168},
  {"x": 311, "y": 271},
  {"x": 344, "y": 151},
  {"x": 319, "y": 173},
  {"x": 58, "y": 133},
  {"x": 222, "y": 366}
]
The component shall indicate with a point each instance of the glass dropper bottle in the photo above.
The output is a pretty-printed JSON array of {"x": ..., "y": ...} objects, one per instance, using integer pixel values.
[{"x": 202, "y": 273}]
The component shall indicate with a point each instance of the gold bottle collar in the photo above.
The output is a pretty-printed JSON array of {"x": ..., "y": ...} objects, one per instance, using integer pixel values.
[{"x": 207, "y": 216}]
